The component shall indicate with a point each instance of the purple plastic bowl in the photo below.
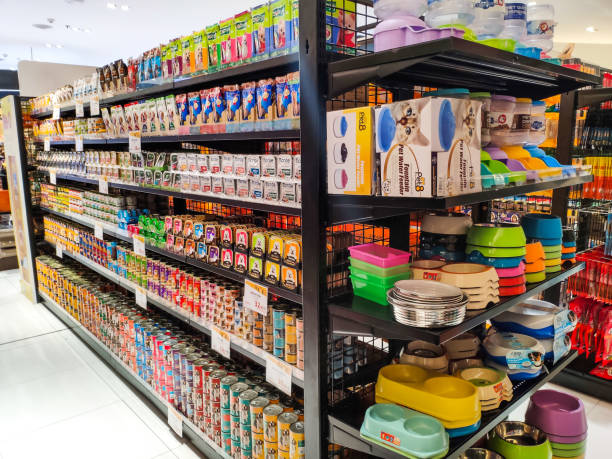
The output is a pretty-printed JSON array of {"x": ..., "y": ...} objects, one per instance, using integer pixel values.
[
  {"x": 497, "y": 153},
  {"x": 515, "y": 165},
  {"x": 408, "y": 30},
  {"x": 557, "y": 413},
  {"x": 566, "y": 440}
]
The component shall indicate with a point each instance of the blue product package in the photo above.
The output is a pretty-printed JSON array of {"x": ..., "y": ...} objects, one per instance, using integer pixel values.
[
  {"x": 232, "y": 101},
  {"x": 260, "y": 18},
  {"x": 280, "y": 17}
]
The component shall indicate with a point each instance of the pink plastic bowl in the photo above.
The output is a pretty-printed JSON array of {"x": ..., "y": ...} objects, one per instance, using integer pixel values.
[
  {"x": 380, "y": 255},
  {"x": 557, "y": 413}
]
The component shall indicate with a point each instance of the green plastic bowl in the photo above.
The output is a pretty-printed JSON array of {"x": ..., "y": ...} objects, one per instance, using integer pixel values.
[
  {"x": 569, "y": 452},
  {"x": 499, "y": 43},
  {"x": 383, "y": 282},
  {"x": 533, "y": 278},
  {"x": 552, "y": 248},
  {"x": 369, "y": 291},
  {"x": 377, "y": 270},
  {"x": 576, "y": 445},
  {"x": 517, "y": 440},
  {"x": 553, "y": 269},
  {"x": 552, "y": 255},
  {"x": 497, "y": 235}
]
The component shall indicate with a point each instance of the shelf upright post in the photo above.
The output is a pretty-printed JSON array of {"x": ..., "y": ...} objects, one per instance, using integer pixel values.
[{"x": 312, "y": 119}]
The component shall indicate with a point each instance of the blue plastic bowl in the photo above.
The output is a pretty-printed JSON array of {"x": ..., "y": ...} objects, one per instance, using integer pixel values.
[
  {"x": 500, "y": 263},
  {"x": 385, "y": 129},
  {"x": 542, "y": 226},
  {"x": 461, "y": 431},
  {"x": 446, "y": 125}
]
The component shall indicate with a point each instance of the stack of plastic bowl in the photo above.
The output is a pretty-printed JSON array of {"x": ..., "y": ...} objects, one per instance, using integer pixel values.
[
  {"x": 425, "y": 355},
  {"x": 568, "y": 251},
  {"x": 375, "y": 269},
  {"x": 520, "y": 356},
  {"x": 535, "y": 269},
  {"x": 443, "y": 236},
  {"x": 464, "y": 346},
  {"x": 501, "y": 245},
  {"x": 518, "y": 440},
  {"x": 547, "y": 230},
  {"x": 480, "y": 453},
  {"x": 562, "y": 417},
  {"x": 453, "y": 401},
  {"x": 427, "y": 304},
  {"x": 405, "y": 431},
  {"x": 494, "y": 386},
  {"x": 544, "y": 321}
]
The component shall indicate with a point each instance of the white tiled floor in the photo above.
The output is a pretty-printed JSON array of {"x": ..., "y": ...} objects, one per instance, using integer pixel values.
[{"x": 59, "y": 400}]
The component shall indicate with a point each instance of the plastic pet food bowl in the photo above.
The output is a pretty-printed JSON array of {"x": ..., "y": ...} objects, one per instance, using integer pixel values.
[
  {"x": 497, "y": 252},
  {"x": 425, "y": 355},
  {"x": 461, "y": 431},
  {"x": 464, "y": 363},
  {"x": 506, "y": 262},
  {"x": 569, "y": 453},
  {"x": 499, "y": 345},
  {"x": 468, "y": 275},
  {"x": 568, "y": 446},
  {"x": 377, "y": 271},
  {"x": 452, "y": 400},
  {"x": 491, "y": 383},
  {"x": 542, "y": 226},
  {"x": 404, "y": 430},
  {"x": 534, "y": 278},
  {"x": 557, "y": 413},
  {"x": 379, "y": 255},
  {"x": 535, "y": 252},
  {"x": 534, "y": 318},
  {"x": 446, "y": 223},
  {"x": 511, "y": 272},
  {"x": 518, "y": 440},
  {"x": 480, "y": 453},
  {"x": 463, "y": 346},
  {"x": 496, "y": 235},
  {"x": 568, "y": 440}
]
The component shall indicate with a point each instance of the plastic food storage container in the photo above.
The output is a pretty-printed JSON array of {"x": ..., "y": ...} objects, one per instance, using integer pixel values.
[
  {"x": 444, "y": 13},
  {"x": 455, "y": 93},
  {"x": 408, "y": 30},
  {"x": 369, "y": 291},
  {"x": 385, "y": 282},
  {"x": 377, "y": 271},
  {"x": 500, "y": 119},
  {"x": 537, "y": 131},
  {"x": 521, "y": 123},
  {"x": 380, "y": 255},
  {"x": 485, "y": 98},
  {"x": 385, "y": 9}
]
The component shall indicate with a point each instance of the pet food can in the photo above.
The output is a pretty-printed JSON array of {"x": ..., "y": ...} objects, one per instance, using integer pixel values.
[
  {"x": 245, "y": 400},
  {"x": 226, "y": 439},
  {"x": 245, "y": 436},
  {"x": 284, "y": 423},
  {"x": 296, "y": 438},
  {"x": 257, "y": 407},
  {"x": 215, "y": 408},
  {"x": 257, "y": 445},
  {"x": 215, "y": 388},
  {"x": 236, "y": 452},
  {"x": 235, "y": 428},
  {"x": 270, "y": 419},
  {"x": 226, "y": 420},
  {"x": 299, "y": 329},
  {"x": 226, "y": 383}
]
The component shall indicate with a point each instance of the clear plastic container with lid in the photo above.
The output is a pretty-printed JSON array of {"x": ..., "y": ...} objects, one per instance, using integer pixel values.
[
  {"x": 540, "y": 26},
  {"x": 386, "y": 9},
  {"x": 515, "y": 20},
  {"x": 485, "y": 98},
  {"x": 521, "y": 124},
  {"x": 443, "y": 13},
  {"x": 455, "y": 93},
  {"x": 537, "y": 131},
  {"x": 489, "y": 18},
  {"x": 500, "y": 120}
]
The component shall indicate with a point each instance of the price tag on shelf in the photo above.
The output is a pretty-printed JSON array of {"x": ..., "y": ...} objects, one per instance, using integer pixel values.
[
  {"x": 56, "y": 112},
  {"x": 78, "y": 108},
  {"x": 175, "y": 421},
  {"x": 47, "y": 146},
  {"x": 139, "y": 244},
  {"x": 59, "y": 250},
  {"x": 255, "y": 297},
  {"x": 141, "y": 297},
  {"x": 220, "y": 341},
  {"x": 278, "y": 373},
  {"x": 135, "y": 144},
  {"x": 94, "y": 105},
  {"x": 103, "y": 185},
  {"x": 78, "y": 142},
  {"x": 99, "y": 231},
  {"x": 53, "y": 176}
]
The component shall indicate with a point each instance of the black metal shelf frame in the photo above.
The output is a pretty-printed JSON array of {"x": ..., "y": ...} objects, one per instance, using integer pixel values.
[{"x": 239, "y": 345}]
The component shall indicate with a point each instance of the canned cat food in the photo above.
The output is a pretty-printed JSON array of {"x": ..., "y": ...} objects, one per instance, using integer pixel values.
[
  {"x": 257, "y": 407},
  {"x": 270, "y": 420},
  {"x": 257, "y": 443},
  {"x": 284, "y": 423},
  {"x": 226, "y": 384},
  {"x": 245, "y": 400},
  {"x": 296, "y": 438}
]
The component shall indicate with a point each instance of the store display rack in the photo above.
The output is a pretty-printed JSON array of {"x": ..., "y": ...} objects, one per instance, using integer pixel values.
[
  {"x": 345, "y": 424},
  {"x": 326, "y": 76},
  {"x": 577, "y": 377},
  {"x": 202, "y": 442},
  {"x": 124, "y": 236},
  {"x": 260, "y": 204},
  {"x": 239, "y": 345}
]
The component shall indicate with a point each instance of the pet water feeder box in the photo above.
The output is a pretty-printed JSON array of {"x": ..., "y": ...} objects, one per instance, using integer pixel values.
[
  {"x": 498, "y": 345},
  {"x": 405, "y": 431},
  {"x": 451, "y": 400},
  {"x": 517, "y": 440},
  {"x": 531, "y": 317},
  {"x": 557, "y": 413},
  {"x": 563, "y": 350}
]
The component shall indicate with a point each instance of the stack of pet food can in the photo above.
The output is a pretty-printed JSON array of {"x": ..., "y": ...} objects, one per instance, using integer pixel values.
[
  {"x": 278, "y": 318},
  {"x": 245, "y": 400}
]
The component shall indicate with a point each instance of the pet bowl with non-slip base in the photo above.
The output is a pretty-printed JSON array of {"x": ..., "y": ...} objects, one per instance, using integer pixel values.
[
  {"x": 504, "y": 262},
  {"x": 534, "y": 278},
  {"x": 518, "y": 440},
  {"x": 500, "y": 344},
  {"x": 463, "y": 346},
  {"x": 496, "y": 235},
  {"x": 535, "y": 318},
  {"x": 557, "y": 413},
  {"x": 542, "y": 226},
  {"x": 480, "y": 453},
  {"x": 425, "y": 355},
  {"x": 497, "y": 252}
]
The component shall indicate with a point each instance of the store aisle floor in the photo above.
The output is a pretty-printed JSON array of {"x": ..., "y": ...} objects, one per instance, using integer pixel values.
[{"x": 58, "y": 400}]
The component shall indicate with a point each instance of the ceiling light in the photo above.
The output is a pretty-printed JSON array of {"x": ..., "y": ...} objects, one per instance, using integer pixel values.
[
  {"x": 591, "y": 29},
  {"x": 111, "y": 6},
  {"x": 48, "y": 45},
  {"x": 41, "y": 26},
  {"x": 125, "y": 7}
]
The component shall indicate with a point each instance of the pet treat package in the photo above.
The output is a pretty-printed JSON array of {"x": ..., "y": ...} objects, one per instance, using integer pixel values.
[
  {"x": 283, "y": 98},
  {"x": 166, "y": 61},
  {"x": 457, "y": 163},
  {"x": 207, "y": 106},
  {"x": 182, "y": 107},
  {"x": 232, "y": 102},
  {"x": 162, "y": 116},
  {"x": 214, "y": 48},
  {"x": 188, "y": 61},
  {"x": 295, "y": 26},
  {"x": 227, "y": 41},
  {"x": 265, "y": 104},
  {"x": 280, "y": 15},
  {"x": 177, "y": 60},
  {"x": 219, "y": 106},
  {"x": 173, "y": 118},
  {"x": 244, "y": 37},
  {"x": 350, "y": 152},
  {"x": 200, "y": 51},
  {"x": 260, "y": 18},
  {"x": 248, "y": 112},
  {"x": 195, "y": 109},
  {"x": 152, "y": 117},
  {"x": 340, "y": 25},
  {"x": 293, "y": 79}
]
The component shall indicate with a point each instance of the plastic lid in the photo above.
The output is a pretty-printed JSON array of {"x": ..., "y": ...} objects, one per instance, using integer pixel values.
[
  {"x": 480, "y": 95},
  {"x": 504, "y": 98},
  {"x": 539, "y": 103},
  {"x": 523, "y": 100},
  {"x": 399, "y": 22},
  {"x": 447, "y": 92}
]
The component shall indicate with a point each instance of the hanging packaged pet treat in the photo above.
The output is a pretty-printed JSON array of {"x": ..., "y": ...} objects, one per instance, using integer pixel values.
[
  {"x": 166, "y": 180},
  {"x": 176, "y": 181},
  {"x": 201, "y": 251},
  {"x": 214, "y": 163},
  {"x": 227, "y": 164},
  {"x": 271, "y": 191},
  {"x": 166, "y": 62},
  {"x": 253, "y": 165},
  {"x": 190, "y": 248},
  {"x": 173, "y": 118},
  {"x": 268, "y": 165},
  {"x": 194, "y": 184},
  {"x": 200, "y": 51},
  {"x": 266, "y": 109},
  {"x": 239, "y": 162},
  {"x": 244, "y": 37},
  {"x": 157, "y": 63},
  {"x": 202, "y": 163},
  {"x": 242, "y": 188},
  {"x": 219, "y": 107},
  {"x": 297, "y": 166},
  {"x": 152, "y": 117},
  {"x": 298, "y": 193},
  {"x": 293, "y": 80},
  {"x": 290, "y": 278},
  {"x": 195, "y": 110},
  {"x": 260, "y": 18},
  {"x": 350, "y": 152},
  {"x": 340, "y": 26},
  {"x": 162, "y": 115},
  {"x": 129, "y": 117},
  {"x": 192, "y": 162},
  {"x": 292, "y": 254},
  {"x": 229, "y": 187},
  {"x": 110, "y": 129},
  {"x": 213, "y": 255},
  {"x": 188, "y": 61},
  {"x": 232, "y": 112},
  {"x": 294, "y": 42},
  {"x": 287, "y": 192},
  {"x": 227, "y": 40},
  {"x": 217, "y": 185},
  {"x": 284, "y": 166},
  {"x": 205, "y": 184},
  {"x": 227, "y": 258},
  {"x": 241, "y": 262},
  {"x": 248, "y": 113},
  {"x": 214, "y": 48},
  {"x": 255, "y": 189},
  {"x": 280, "y": 12},
  {"x": 183, "y": 165},
  {"x": 283, "y": 103},
  {"x": 177, "y": 61}
]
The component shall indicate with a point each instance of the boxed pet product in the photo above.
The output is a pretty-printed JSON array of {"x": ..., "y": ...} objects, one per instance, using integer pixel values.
[
  {"x": 350, "y": 152},
  {"x": 295, "y": 26},
  {"x": 177, "y": 60},
  {"x": 280, "y": 16},
  {"x": 260, "y": 19},
  {"x": 200, "y": 51},
  {"x": 227, "y": 42},
  {"x": 248, "y": 112},
  {"x": 188, "y": 50},
  {"x": 232, "y": 102},
  {"x": 244, "y": 37},
  {"x": 266, "y": 109},
  {"x": 340, "y": 25},
  {"x": 214, "y": 47}
]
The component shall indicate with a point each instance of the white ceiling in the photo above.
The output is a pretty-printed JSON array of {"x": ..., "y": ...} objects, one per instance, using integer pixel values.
[{"x": 118, "y": 34}]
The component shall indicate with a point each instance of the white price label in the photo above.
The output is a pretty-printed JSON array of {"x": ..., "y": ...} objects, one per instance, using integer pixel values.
[
  {"x": 56, "y": 111},
  {"x": 175, "y": 421},
  {"x": 53, "y": 176},
  {"x": 141, "y": 297},
  {"x": 103, "y": 185},
  {"x": 78, "y": 108},
  {"x": 94, "y": 105},
  {"x": 220, "y": 341},
  {"x": 59, "y": 250},
  {"x": 78, "y": 142},
  {"x": 256, "y": 297},
  {"x": 47, "y": 145},
  {"x": 99, "y": 231},
  {"x": 135, "y": 143},
  {"x": 278, "y": 373},
  {"x": 139, "y": 244}
]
